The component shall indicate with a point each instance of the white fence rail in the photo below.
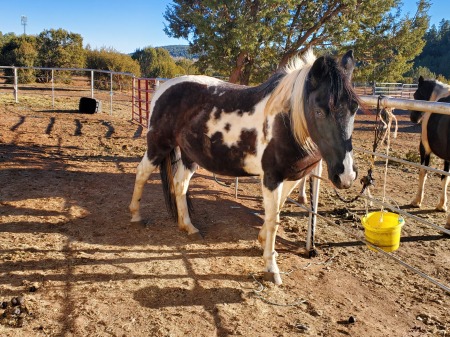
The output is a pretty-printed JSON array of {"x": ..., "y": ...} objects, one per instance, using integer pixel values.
[
  {"x": 406, "y": 104},
  {"x": 399, "y": 90}
]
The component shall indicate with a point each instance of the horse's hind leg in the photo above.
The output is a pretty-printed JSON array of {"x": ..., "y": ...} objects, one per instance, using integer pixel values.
[
  {"x": 442, "y": 206},
  {"x": 424, "y": 160},
  {"x": 181, "y": 183},
  {"x": 144, "y": 169}
]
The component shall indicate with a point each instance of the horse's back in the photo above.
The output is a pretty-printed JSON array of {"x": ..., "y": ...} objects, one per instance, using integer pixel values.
[{"x": 215, "y": 123}]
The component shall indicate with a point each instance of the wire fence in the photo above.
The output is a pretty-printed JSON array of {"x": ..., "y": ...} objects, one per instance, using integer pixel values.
[{"x": 65, "y": 86}]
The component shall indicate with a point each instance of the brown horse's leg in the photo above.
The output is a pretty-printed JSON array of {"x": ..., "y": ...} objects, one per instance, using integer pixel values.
[
  {"x": 144, "y": 169},
  {"x": 442, "y": 206},
  {"x": 271, "y": 223},
  {"x": 424, "y": 160},
  {"x": 417, "y": 202}
]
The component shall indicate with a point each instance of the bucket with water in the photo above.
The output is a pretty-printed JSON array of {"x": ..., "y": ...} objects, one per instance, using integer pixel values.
[{"x": 382, "y": 229}]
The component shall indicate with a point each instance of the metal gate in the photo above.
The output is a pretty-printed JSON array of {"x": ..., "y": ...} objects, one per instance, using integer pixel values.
[{"x": 143, "y": 89}]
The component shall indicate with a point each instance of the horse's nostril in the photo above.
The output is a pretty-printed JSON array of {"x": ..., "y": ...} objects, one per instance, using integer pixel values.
[{"x": 336, "y": 179}]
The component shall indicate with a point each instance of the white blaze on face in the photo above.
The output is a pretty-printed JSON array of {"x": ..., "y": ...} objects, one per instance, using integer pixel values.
[{"x": 349, "y": 175}]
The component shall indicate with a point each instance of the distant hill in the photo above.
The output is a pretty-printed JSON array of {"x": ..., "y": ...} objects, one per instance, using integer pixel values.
[{"x": 179, "y": 51}]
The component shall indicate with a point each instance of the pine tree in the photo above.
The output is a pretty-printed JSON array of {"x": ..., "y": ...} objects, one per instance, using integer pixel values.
[{"x": 246, "y": 38}]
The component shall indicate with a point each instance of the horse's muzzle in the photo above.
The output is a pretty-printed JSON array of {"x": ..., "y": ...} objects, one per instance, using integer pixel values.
[{"x": 345, "y": 180}]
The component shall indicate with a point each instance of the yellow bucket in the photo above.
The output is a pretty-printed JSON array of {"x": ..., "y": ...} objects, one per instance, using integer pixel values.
[{"x": 383, "y": 230}]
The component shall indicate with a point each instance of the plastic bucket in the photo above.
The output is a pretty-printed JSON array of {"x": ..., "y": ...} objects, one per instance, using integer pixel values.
[{"x": 383, "y": 230}]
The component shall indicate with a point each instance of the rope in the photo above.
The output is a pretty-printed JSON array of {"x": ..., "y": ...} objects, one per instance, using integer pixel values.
[{"x": 261, "y": 288}]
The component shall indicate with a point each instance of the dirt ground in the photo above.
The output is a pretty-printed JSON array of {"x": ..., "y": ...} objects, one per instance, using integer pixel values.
[{"x": 71, "y": 264}]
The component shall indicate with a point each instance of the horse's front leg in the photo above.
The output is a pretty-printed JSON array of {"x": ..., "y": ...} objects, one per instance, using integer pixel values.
[
  {"x": 288, "y": 187},
  {"x": 271, "y": 222},
  {"x": 442, "y": 206},
  {"x": 424, "y": 160}
]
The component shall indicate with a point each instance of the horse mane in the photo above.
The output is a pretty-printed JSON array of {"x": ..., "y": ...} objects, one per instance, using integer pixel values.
[
  {"x": 289, "y": 96},
  {"x": 440, "y": 90}
]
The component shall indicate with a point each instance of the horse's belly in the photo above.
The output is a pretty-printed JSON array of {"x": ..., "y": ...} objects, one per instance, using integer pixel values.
[
  {"x": 221, "y": 159},
  {"x": 438, "y": 135},
  {"x": 229, "y": 166}
]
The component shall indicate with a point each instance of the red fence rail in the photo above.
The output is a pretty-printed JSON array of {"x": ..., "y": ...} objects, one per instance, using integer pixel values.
[{"x": 143, "y": 89}]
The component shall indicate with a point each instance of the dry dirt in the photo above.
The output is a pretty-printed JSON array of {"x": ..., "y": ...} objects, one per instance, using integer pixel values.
[{"x": 77, "y": 267}]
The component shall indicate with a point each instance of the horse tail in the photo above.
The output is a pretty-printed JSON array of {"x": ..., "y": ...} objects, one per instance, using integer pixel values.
[{"x": 167, "y": 169}]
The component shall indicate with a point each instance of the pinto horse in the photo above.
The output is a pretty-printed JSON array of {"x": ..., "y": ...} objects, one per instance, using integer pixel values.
[
  {"x": 278, "y": 131},
  {"x": 435, "y": 137}
]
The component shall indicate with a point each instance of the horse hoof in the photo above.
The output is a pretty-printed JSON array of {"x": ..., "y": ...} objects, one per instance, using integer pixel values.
[
  {"x": 195, "y": 236},
  {"x": 302, "y": 200},
  {"x": 441, "y": 209},
  {"x": 272, "y": 277},
  {"x": 313, "y": 253},
  {"x": 141, "y": 223}
]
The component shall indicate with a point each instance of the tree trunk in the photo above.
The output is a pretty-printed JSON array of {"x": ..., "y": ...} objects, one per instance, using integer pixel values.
[
  {"x": 236, "y": 73},
  {"x": 245, "y": 74}
]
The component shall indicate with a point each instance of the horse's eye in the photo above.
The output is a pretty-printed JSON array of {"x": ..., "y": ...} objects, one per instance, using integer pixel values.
[
  {"x": 354, "y": 107},
  {"x": 320, "y": 113}
]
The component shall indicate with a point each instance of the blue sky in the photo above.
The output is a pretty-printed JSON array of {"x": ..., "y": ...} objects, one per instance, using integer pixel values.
[{"x": 122, "y": 25}]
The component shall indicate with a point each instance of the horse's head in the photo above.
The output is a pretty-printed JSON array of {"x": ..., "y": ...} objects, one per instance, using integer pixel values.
[
  {"x": 330, "y": 109},
  {"x": 424, "y": 92}
]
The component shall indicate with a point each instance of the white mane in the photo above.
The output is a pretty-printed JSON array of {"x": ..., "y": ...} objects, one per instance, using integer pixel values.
[
  {"x": 440, "y": 90},
  {"x": 289, "y": 96}
]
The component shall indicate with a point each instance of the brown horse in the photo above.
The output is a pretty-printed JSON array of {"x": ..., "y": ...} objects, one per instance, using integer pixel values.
[{"x": 278, "y": 130}]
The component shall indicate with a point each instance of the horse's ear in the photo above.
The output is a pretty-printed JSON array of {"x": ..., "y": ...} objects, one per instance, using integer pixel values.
[
  {"x": 348, "y": 62},
  {"x": 318, "y": 71},
  {"x": 421, "y": 80}
]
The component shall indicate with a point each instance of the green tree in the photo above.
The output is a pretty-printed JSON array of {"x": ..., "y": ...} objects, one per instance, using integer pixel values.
[
  {"x": 58, "y": 48},
  {"x": 19, "y": 51},
  {"x": 111, "y": 60},
  {"x": 412, "y": 76},
  {"x": 157, "y": 62},
  {"x": 189, "y": 66},
  {"x": 436, "y": 53},
  {"x": 385, "y": 51},
  {"x": 254, "y": 37},
  {"x": 5, "y": 38}
]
